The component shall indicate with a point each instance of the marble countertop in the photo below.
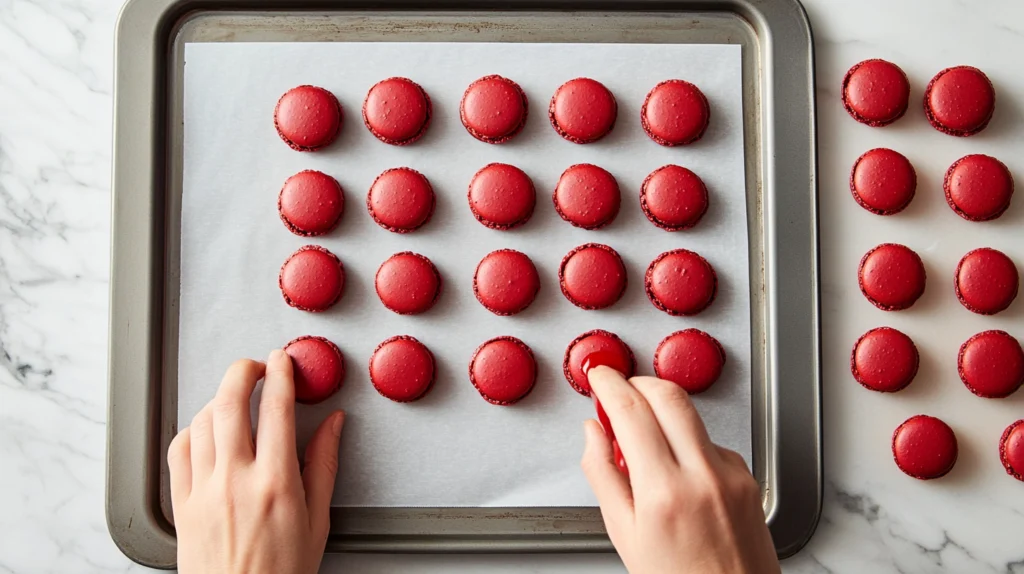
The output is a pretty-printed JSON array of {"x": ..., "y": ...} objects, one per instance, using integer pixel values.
[{"x": 56, "y": 59}]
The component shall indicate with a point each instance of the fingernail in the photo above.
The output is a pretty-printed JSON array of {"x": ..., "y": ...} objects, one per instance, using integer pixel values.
[
  {"x": 336, "y": 424},
  {"x": 276, "y": 355},
  {"x": 601, "y": 359}
]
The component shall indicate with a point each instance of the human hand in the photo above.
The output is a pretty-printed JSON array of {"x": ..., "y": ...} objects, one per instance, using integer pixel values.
[
  {"x": 243, "y": 509},
  {"x": 686, "y": 504}
]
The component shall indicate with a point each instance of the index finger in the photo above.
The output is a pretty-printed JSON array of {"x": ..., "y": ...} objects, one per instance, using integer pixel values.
[
  {"x": 684, "y": 429},
  {"x": 641, "y": 439},
  {"x": 275, "y": 433}
]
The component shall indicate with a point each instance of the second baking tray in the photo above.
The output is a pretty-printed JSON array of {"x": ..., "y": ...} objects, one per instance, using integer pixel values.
[{"x": 781, "y": 195}]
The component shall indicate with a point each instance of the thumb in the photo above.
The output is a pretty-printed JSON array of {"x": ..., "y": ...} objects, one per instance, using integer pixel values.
[{"x": 320, "y": 471}]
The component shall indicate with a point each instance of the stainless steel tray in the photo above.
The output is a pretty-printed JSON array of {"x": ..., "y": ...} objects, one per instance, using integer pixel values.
[{"x": 778, "y": 92}]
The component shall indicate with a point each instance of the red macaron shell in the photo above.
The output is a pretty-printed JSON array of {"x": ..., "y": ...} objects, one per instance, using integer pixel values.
[
  {"x": 402, "y": 369},
  {"x": 959, "y": 101},
  {"x": 494, "y": 109},
  {"x": 884, "y": 360},
  {"x": 587, "y": 196},
  {"x": 883, "y": 181},
  {"x": 1011, "y": 450},
  {"x": 308, "y": 118},
  {"x": 680, "y": 283},
  {"x": 397, "y": 111},
  {"x": 892, "y": 277},
  {"x": 986, "y": 281},
  {"x": 312, "y": 279},
  {"x": 583, "y": 110},
  {"x": 501, "y": 196},
  {"x": 978, "y": 187},
  {"x": 408, "y": 283},
  {"x": 503, "y": 370},
  {"x": 924, "y": 447},
  {"x": 310, "y": 203},
  {"x": 691, "y": 359},
  {"x": 319, "y": 368},
  {"x": 675, "y": 113},
  {"x": 991, "y": 364},
  {"x": 592, "y": 276},
  {"x": 401, "y": 200},
  {"x": 673, "y": 198},
  {"x": 506, "y": 282},
  {"x": 876, "y": 92},
  {"x": 616, "y": 355}
]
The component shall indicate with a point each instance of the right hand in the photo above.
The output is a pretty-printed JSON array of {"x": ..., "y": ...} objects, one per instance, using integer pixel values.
[{"x": 687, "y": 505}]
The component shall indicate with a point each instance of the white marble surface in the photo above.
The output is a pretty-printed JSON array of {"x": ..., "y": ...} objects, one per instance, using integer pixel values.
[{"x": 55, "y": 99}]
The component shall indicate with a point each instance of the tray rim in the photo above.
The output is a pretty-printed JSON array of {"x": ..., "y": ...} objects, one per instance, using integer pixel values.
[{"x": 136, "y": 300}]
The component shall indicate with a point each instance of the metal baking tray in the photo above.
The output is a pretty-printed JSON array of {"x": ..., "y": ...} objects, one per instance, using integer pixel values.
[{"x": 781, "y": 189}]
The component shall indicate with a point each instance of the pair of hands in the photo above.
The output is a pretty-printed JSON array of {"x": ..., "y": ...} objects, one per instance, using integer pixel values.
[{"x": 245, "y": 506}]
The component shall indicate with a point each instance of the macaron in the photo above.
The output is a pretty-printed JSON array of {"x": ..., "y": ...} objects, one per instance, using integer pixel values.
[
  {"x": 1011, "y": 450},
  {"x": 691, "y": 359},
  {"x": 986, "y": 281},
  {"x": 506, "y": 282},
  {"x": 673, "y": 198},
  {"x": 675, "y": 112},
  {"x": 924, "y": 447},
  {"x": 583, "y": 110},
  {"x": 884, "y": 360},
  {"x": 991, "y": 364},
  {"x": 402, "y": 369},
  {"x": 592, "y": 276},
  {"x": 401, "y": 200},
  {"x": 681, "y": 283},
  {"x": 312, "y": 279},
  {"x": 501, "y": 196},
  {"x": 408, "y": 283},
  {"x": 615, "y": 354},
  {"x": 883, "y": 181},
  {"x": 959, "y": 101},
  {"x": 587, "y": 196},
  {"x": 494, "y": 109},
  {"x": 318, "y": 367},
  {"x": 892, "y": 277},
  {"x": 310, "y": 203},
  {"x": 978, "y": 187},
  {"x": 397, "y": 111},
  {"x": 876, "y": 92},
  {"x": 503, "y": 370},
  {"x": 308, "y": 118}
]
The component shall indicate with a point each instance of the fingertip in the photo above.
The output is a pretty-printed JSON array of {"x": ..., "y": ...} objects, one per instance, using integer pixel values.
[
  {"x": 337, "y": 423},
  {"x": 278, "y": 360}
]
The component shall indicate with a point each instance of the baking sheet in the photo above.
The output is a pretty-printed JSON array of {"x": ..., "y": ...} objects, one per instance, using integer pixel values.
[{"x": 450, "y": 448}]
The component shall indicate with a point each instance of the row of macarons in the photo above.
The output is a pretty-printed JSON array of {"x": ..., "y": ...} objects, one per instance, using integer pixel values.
[
  {"x": 958, "y": 101},
  {"x": 500, "y": 196},
  {"x": 494, "y": 109},
  {"x": 977, "y": 187},
  {"x": 591, "y": 276},
  {"x": 892, "y": 277},
  {"x": 925, "y": 447},
  {"x": 503, "y": 369}
]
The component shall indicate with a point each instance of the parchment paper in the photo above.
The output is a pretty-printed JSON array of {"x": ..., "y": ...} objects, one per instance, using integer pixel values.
[{"x": 450, "y": 448}]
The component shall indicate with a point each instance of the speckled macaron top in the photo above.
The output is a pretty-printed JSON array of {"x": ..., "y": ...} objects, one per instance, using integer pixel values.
[
  {"x": 673, "y": 198},
  {"x": 892, "y": 277},
  {"x": 991, "y": 364},
  {"x": 681, "y": 283},
  {"x": 675, "y": 112},
  {"x": 986, "y": 281},
  {"x": 884, "y": 360},
  {"x": 924, "y": 447},
  {"x": 592, "y": 276},
  {"x": 401, "y": 200},
  {"x": 959, "y": 101},
  {"x": 978, "y": 187},
  {"x": 308, "y": 118},
  {"x": 501, "y": 196},
  {"x": 318, "y": 367},
  {"x": 583, "y": 110},
  {"x": 494, "y": 109},
  {"x": 690, "y": 358},
  {"x": 310, "y": 203},
  {"x": 506, "y": 282},
  {"x": 876, "y": 92},
  {"x": 408, "y": 283},
  {"x": 615, "y": 352},
  {"x": 503, "y": 370},
  {"x": 312, "y": 279},
  {"x": 402, "y": 369},
  {"x": 1011, "y": 450},
  {"x": 883, "y": 181},
  {"x": 587, "y": 196},
  {"x": 397, "y": 111}
]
